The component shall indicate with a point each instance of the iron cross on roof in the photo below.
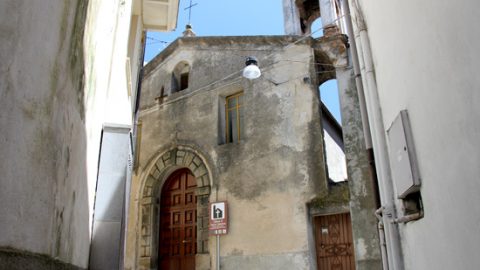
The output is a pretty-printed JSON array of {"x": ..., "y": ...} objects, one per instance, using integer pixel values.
[{"x": 190, "y": 10}]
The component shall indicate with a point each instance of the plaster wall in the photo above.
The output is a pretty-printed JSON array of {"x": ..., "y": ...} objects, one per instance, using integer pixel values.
[
  {"x": 335, "y": 157},
  {"x": 291, "y": 18},
  {"x": 269, "y": 177},
  {"x": 43, "y": 194},
  {"x": 426, "y": 62},
  {"x": 63, "y": 72},
  {"x": 114, "y": 35},
  {"x": 107, "y": 99}
]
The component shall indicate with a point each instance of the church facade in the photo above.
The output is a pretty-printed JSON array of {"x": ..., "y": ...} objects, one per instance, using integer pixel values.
[{"x": 206, "y": 134}]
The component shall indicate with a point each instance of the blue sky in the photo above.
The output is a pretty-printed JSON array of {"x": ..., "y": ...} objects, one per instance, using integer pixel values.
[
  {"x": 234, "y": 18},
  {"x": 223, "y": 18}
]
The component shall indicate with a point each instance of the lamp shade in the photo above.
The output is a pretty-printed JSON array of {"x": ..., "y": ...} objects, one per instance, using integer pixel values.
[{"x": 251, "y": 71}]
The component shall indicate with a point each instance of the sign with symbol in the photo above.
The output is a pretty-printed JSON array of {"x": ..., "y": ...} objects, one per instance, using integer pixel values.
[{"x": 218, "y": 222}]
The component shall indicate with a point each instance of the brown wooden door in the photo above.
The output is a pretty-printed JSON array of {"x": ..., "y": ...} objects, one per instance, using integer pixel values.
[
  {"x": 333, "y": 237},
  {"x": 178, "y": 218}
]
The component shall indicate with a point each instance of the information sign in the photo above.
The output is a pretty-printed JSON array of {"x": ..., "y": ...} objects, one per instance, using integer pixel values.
[{"x": 218, "y": 221}]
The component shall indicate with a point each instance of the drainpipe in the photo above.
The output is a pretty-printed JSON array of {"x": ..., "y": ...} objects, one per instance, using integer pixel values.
[
  {"x": 358, "y": 76},
  {"x": 395, "y": 257},
  {"x": 408, "y": 218},
  {"x": 381, "y": 233}
]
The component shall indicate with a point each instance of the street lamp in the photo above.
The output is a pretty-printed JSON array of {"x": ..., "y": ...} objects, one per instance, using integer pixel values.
[{"x": 251, "y": 71}]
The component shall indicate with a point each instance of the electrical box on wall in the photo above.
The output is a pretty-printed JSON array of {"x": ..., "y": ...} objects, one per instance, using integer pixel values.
[{"x": 403, "y": 160}]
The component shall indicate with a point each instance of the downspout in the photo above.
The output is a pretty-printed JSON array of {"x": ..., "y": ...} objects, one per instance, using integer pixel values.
[
  {"x": 408, "y": 218},
  {"x": 364, "y": 115},
  {"x": 395, "y": 257},
  {"x": 358, "y": 75},
  {"x": 381, "y": 233}
]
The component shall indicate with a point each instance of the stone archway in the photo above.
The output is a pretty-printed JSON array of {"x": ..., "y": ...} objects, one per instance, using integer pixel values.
[{"x": 165, "y": 164}]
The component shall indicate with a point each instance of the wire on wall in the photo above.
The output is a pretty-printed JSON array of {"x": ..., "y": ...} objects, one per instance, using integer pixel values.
[{"x": 267, "y": 67}]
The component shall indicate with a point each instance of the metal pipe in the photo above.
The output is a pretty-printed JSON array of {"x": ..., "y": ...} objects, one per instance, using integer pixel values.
[
  {"x": 381, "y": 156},
  {"x": 381, "y": 233},
  {"x": 358, "y": 76},
  {"x": 395, "y": 257},
  {"x": 408, "y": 218},
  {"x": 383, "y": 245},
  {"x": 218, "y": 252},
  {"x": 378, "y": 213}
]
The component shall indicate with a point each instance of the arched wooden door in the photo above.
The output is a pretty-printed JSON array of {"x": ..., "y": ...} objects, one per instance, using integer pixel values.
[{"x": 178, "y": 218}]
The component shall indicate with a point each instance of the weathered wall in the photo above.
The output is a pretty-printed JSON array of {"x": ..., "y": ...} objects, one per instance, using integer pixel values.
[
  {"x": 362, "y": 200},
  {"x": 268, "y": 177},
  {"x": 426, "y": 58},
  {"x": 43, "y": 194},
  {"x": 64, "y": 74}
]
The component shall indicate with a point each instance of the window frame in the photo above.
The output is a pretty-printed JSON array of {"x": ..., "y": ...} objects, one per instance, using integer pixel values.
[
  {"x": 180, "y": 77},
  {"x": 229, "y": 137}
]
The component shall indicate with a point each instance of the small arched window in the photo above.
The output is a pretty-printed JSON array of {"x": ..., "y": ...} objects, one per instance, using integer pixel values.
[
  {"x": 308, "y": 10},
  {"x": 330, "y": 98},
  {"x": 180, "y": 77}
]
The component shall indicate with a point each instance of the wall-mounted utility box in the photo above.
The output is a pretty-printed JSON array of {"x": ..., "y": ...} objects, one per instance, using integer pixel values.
[{"x": 403, "y": 160}]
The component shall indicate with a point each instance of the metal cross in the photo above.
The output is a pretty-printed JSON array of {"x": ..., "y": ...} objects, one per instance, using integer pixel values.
[{"x": 190, "y": 10}]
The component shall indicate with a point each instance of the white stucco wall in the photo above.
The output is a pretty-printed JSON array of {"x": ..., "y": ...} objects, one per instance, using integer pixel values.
[
  {"x": 426, "y": 61},
  {"x": 335, "y": 157},
  {"x": 107, "y": 99}
]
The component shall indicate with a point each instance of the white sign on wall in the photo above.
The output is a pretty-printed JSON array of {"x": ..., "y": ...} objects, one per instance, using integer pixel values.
[{"x": 218, "y": 222}]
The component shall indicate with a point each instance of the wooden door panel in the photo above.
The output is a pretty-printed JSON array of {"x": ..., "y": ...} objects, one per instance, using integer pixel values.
[
  {"x": 177, "y": 245},
  {"x": 190, "y": 198},
  {"x": 191, "y": 181},
  {"x": 189, "y": 217},
  {"x": 334, "y": 242},
  {"x": 177, "y": 200}
]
